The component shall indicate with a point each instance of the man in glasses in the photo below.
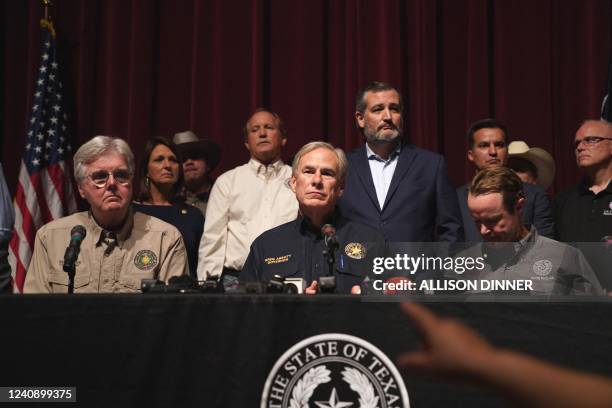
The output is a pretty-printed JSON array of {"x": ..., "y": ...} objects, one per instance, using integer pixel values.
[
  {"x": 120, "y": 247},
  {"x": 488, "y": 148},
  {"x": 583, "y": 213}
]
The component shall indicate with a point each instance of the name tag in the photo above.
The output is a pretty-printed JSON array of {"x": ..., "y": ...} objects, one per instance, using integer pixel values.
[{"x": 277, "y": 260}]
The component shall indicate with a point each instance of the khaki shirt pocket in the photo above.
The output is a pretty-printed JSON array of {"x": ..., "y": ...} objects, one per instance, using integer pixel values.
[
  {"x": 130, "y": 278},
  {"x": 131, "y": 282},
  {"x": 58, "y": 280}
]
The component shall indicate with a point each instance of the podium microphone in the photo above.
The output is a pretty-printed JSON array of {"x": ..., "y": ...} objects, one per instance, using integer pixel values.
[
  {"x": 331, "y": 243},
  {"x": 329, "y": 234},
  {"x": 77, "y": 234}
]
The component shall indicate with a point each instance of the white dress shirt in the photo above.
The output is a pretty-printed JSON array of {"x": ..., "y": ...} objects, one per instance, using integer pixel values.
[
  {"x": 244, "y": 202},
  {"x": 382, "y": 172}
]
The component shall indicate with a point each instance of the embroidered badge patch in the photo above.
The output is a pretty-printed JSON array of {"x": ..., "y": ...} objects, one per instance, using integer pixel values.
[
  {"x": 145, "y": 259},
  {"x": 542, "y": 267},
  {"x": 355, "y": 250}
]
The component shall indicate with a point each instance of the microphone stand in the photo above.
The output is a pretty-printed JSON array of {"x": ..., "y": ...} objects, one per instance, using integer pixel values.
[
  {"x": 331, "y": 244},
  {"x": 77, "y": 234},
  {"x": 70, "y": 270},
  {"x": 329, "y": 254}
]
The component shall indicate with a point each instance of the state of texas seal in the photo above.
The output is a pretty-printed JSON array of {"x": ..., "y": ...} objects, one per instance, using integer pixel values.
[{"x": 334, "y": 370}]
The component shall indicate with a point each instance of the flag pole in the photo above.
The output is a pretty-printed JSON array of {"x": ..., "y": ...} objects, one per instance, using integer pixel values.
[
  {"x": 46, "y": 21},
  {"x": 44, "y": 190},
  {"x": 46, "y": 4}
]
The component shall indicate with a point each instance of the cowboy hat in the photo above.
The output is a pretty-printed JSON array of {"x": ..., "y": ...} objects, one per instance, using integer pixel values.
[
  {"x": 540, "y": 158},
  {"x": 191, "y": 146}
]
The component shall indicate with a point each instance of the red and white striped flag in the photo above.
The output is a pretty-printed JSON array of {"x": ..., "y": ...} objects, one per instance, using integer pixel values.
[{"x": 45, "y": 191}]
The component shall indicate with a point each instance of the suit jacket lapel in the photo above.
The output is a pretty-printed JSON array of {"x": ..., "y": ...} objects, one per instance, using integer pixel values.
[
  {"x": 365, "y": 175},
  {"x": 405, "y": 159}
]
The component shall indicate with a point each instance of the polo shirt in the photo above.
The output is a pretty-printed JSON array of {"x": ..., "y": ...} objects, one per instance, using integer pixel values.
[{"x": 581, "y": 215}]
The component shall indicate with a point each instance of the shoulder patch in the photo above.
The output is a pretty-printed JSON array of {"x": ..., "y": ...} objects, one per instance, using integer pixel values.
[
  {"x": 355, "y": 250},
  {"x": 145, "y": 259},
  {"x": 542, "y": 267}
]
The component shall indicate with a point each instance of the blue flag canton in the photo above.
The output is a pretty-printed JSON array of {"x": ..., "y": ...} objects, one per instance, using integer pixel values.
[{"x": 47, "y": 140}]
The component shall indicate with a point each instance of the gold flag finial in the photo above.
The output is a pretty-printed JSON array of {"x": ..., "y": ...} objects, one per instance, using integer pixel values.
[
  {"x": 46, "y": 21},
  {"x": 46, "y": 4}
]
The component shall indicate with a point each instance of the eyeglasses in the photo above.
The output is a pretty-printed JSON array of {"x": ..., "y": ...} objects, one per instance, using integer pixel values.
[
  {"x": 100, "y": 177},
  {"x": 589, "y": 141}
]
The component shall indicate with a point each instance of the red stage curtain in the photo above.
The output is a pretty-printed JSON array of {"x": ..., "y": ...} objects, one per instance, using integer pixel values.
[{"x": 154, "y": 67}]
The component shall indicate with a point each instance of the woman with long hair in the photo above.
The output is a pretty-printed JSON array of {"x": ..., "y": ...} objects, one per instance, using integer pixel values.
[{"x": 161, "y": 179}]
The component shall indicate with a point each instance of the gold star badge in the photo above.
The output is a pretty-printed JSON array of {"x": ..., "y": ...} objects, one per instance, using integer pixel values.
[{"x": 355, "y": 250}]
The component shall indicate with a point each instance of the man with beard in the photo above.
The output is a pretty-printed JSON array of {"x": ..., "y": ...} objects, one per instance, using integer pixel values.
[
  {"x": 393, "y": 185},
  {"x": 200, "y": 157}
]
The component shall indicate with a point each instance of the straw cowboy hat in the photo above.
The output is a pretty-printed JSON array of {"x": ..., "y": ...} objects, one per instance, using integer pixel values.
[
  {"x": 191, "y": 146},
  {"x": 540, "y": 158}
]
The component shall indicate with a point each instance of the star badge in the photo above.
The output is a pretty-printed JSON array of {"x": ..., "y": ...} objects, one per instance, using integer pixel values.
[{"x": 333, "y": 401}]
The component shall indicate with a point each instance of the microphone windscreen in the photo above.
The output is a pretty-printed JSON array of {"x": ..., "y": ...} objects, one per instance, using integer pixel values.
[
  {"x": 328, "y": 230},
  {"x": 78, "y": 232}
]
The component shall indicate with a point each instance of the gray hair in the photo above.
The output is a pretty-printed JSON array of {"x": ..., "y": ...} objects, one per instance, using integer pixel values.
[
  {"x": 97, "y": 147},
  {"x": 309, "y": 147}
]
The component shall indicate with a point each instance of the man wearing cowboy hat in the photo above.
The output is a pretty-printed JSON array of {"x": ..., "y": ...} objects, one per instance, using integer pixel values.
[
  {"x": 200, "y": 157},
  {"x": 533, "y": 165},
  {"x": 488, "y": 148}
]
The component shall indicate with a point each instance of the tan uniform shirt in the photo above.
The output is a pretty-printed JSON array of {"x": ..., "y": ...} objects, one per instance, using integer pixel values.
[
  {"x": 146, "y": 247},
  {"x": 244, "y": 202},
  {"x": 196, "y": 201}
]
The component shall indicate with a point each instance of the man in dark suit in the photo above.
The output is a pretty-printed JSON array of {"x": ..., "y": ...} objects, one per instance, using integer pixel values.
[
  {"x": 488, "y": 141},
  {"x": 392, "y": 185}
]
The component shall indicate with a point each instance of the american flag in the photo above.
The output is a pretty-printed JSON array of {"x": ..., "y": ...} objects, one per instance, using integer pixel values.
[{"x": 45, "y": 191}]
